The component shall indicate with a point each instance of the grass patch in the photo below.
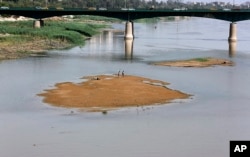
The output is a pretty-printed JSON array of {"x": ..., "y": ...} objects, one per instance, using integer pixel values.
[{"x": 201, "y": 59}]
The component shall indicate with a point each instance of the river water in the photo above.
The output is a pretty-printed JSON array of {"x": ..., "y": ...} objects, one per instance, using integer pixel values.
[{"x": 218, "y": 111}]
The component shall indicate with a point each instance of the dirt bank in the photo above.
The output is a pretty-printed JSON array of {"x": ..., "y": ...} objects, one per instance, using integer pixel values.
[
  {"x": 110, "y": 91},
  {"x": 23, "y": 49}
]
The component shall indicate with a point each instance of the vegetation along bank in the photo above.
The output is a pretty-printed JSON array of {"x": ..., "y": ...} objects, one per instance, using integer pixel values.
[{"x": 19, "y": 38}]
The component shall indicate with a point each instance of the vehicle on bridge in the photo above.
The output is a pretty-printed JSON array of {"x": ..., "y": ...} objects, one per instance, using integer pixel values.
[
  {"x": 91, "y": 8},
  {"x": 59, "y": 8},
  {"x": 180, "y": 9},
  {"x": 4, "y": 7},
  {"x": 102, "y": 9},
  {"x": 226, "y": 9},
  {"x": 42, "y": 8},
  {"x": 127, "y": 9}
]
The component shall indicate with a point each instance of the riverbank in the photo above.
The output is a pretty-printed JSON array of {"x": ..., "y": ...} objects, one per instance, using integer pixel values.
[
  {"x": 15, "y": 50},
  {"x": 104, "y": 92},
  {"x": 19, "y": 39}
]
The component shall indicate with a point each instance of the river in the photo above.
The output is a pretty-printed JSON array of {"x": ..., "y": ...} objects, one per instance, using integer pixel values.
[{"x": 200, "y": 126}]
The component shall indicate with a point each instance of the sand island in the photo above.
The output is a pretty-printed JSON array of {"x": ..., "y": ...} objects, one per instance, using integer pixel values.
[
  {"x": 109, "y": 92},
  {"x": 197, "y": 62}
]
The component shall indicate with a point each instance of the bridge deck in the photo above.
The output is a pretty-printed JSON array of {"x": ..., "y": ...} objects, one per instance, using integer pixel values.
[{"x": 228, "y": 15}]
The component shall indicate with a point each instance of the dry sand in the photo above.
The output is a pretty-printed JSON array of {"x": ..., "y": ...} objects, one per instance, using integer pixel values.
[
  {"x": 110, "y": 91},
  {"x": 197, "y": 62}
]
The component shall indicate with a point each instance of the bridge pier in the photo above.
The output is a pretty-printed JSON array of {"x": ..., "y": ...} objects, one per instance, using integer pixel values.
[
  {"x": 232, "y": 32},
  {"x": 129, "y": 30},
  {"x": 41, "y": 22},
  {"x": 38, "y": 23}
]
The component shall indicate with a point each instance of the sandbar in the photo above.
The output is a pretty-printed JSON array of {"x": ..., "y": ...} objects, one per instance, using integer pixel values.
[
  {"x": 196, "y": 62},
  {"x": 111, "y": 92}
]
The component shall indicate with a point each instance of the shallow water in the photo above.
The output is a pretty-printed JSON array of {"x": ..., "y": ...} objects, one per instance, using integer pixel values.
[{"x": 201, "y": 126}]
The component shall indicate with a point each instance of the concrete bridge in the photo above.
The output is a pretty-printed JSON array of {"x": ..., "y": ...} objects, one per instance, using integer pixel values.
[{"x": 231, "y": 15}]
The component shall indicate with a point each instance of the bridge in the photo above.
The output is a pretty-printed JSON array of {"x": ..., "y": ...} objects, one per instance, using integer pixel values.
[
  {"x": 128, "y": 14},
  {"x": 232, "y": 15}
]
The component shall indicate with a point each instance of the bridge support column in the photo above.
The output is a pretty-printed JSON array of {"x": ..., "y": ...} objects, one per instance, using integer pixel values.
[
  {"x": 37, "y": 24},
  {"x": 232, "y": 32},
  {"x": 129, "y": 30},
  {"x": 41, "y": 22}
]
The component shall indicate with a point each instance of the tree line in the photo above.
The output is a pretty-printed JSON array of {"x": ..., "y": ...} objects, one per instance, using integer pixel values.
[
  {"x": 109, "y": 4},
  {"x": 93, "y": 3}
]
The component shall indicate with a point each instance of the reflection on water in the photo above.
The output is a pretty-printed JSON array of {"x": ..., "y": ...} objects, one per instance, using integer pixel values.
[
  {"x": 232, "y": 48},
  {"x": 129, "y": 48},
  {"x": 109, "y": 42}
]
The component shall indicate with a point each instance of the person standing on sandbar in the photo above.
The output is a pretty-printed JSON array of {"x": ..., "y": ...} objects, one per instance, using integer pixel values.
[{"x": 118, "y": 74}]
